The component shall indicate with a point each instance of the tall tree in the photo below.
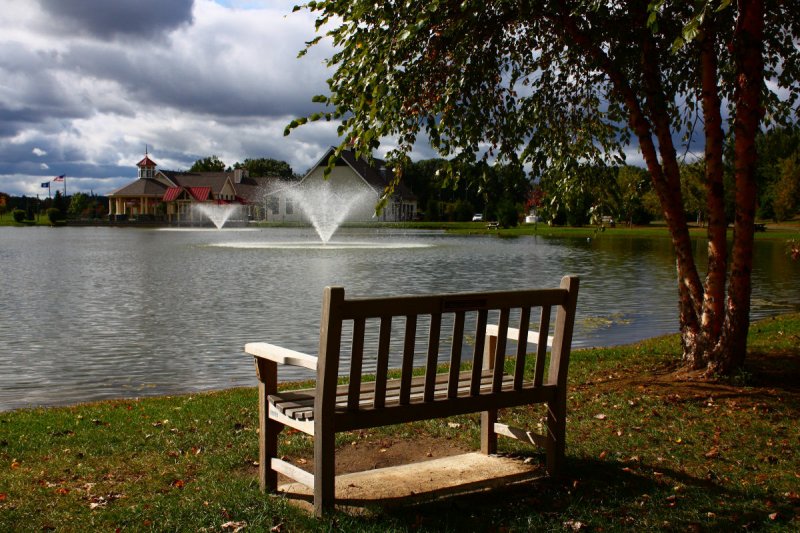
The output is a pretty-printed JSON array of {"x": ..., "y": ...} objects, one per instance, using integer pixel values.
[
  {"x": 208, "y": 164},
  {"x": 552, "y": 83},
  {"x": 266, "y": 166},
  {"x": 634, "y": 186}
]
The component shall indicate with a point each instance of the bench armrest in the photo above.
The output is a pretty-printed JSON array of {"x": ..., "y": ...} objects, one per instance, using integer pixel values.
[
  {"x": 281, "y": 355},
  {"x": 513, "y": 334}
]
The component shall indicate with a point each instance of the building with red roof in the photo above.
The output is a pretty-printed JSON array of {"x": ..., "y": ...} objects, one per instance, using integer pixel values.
[{"x": 168, "y": 196}]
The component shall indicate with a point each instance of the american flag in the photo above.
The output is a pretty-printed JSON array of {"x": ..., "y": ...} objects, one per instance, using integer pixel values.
[{"x": 60, "y": 178}]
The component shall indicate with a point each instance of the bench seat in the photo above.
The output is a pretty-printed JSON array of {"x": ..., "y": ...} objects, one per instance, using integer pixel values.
[{"x": 299, "y": 404}]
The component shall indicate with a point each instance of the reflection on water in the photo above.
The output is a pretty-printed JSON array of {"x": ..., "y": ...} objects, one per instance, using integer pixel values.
[{"x": 92, "y": 313}]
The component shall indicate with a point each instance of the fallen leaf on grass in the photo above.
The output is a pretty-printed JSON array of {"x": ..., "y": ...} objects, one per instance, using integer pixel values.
[
  {"x": 277, "y": 528},
  {"x": 235, "y": 526},
  {"x": 3, "y": 496},
  {"x": 575, "y": 525},
  {"x": 712, "y": 453},
  {"x": 178, "y": 483},
  {"x": 454, "y": 425},
  {"x": 62, "y": 491},
  {"x": 600, "y": 416}
]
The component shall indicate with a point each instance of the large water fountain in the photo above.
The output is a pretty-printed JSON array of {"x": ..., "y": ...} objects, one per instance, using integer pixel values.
[
  {"x": 327, "y": 208},
  {"x": 217, "y": 213}
]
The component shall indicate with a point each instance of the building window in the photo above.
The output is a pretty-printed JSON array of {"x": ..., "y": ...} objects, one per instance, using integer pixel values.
[
  {"x": 272, "y": 205},
  {"x": 289, "y": 206}
]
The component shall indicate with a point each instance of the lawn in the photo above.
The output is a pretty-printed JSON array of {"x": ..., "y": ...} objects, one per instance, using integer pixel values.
[{"x": 650, "y": 447}]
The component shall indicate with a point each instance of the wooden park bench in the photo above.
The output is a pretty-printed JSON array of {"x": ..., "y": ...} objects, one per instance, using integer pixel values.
[
  {"x": 492, "y": 225},
  {"x": 354, "y": 390}
]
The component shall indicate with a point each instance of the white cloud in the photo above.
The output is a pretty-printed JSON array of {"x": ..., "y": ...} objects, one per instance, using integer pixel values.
[{"x": 224, "y": 81}]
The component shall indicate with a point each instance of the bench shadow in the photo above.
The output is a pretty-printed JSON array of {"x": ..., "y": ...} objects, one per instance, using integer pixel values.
[{"x": 591, "y": 490}]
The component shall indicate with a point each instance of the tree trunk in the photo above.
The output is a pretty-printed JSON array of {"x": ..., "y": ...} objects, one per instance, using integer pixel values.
[
  {"x": 714, "y": 294},
  {"x": 748, "y": 57}
]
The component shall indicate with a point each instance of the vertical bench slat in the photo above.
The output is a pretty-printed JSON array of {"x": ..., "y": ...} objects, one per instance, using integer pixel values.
[
  {"x": 500, "y": 354},
  {"x": 455, "y": 354},
  {"x": 409, "y": 345},
  {"x": 433, "y": 356},
  {"x": 477, "y": 353},
  {"x": 356, "y": 358},
  {"x": 522, "y": 346},
  {"x": 541, "y": 346},
  {"x": 383, "y": 361},
  {"x": 330, "y": 345}
]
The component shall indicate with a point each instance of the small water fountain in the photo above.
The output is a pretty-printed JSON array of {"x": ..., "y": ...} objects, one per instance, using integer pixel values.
[
  {"x": 327, "y": 208},
  {"x": 217, "y": 213}
]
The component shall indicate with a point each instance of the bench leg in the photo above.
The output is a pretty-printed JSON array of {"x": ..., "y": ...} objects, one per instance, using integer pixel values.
[
  {"x": 488, "y": 436},
  {"x": 324, "y": 469},
  {"x": 268, "y": 430},
  {"x": 556, "y": 436}
]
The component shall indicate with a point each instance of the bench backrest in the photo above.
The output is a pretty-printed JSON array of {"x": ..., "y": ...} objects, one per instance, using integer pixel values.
[{"x": 356, "y": 321}]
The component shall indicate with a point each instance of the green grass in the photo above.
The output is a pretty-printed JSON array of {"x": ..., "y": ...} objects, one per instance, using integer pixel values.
[
  {"x": 648, "y": 449},
  {"x": 788, "y": 230},
  {"x": 7, "y": 219}
]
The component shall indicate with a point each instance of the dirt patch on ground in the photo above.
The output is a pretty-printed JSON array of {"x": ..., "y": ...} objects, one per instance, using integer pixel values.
[
  {"x": 775, "y": 374},
  {"x": 367, "y": 451}
]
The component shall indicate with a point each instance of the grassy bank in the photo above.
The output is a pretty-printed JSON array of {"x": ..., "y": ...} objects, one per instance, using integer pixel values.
[
  {"x": 650, "y": 448},
  {"x": 7, "y": 219},
  {"x": 784, "y": 230}
]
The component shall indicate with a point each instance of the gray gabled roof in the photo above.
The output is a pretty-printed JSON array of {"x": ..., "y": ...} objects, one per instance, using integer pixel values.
[{"x": 376, "y": 175}]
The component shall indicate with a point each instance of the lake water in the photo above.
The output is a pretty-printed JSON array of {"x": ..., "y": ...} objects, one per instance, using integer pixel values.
[{"x": 95, "y": 313}]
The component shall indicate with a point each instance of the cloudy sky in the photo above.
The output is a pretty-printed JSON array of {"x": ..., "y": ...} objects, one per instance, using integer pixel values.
[{"x": 86, "y": 84}]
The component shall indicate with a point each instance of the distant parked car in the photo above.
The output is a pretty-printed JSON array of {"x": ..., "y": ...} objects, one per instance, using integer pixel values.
[{"x": 477, "y": 217}]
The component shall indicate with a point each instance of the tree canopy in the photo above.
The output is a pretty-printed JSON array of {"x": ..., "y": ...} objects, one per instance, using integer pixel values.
[
  {"x": 556, "y": 85},
  {"x": 208, "y": 164},
  {"x": 266, "y": 166}
]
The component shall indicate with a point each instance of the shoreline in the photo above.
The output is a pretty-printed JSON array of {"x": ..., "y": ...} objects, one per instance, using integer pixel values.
[{"x": 309, "y": 383}]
